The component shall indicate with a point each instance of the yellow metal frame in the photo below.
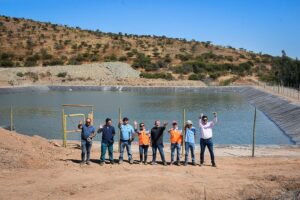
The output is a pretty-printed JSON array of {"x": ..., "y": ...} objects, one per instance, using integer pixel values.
[{"x": 65, "y": 116}]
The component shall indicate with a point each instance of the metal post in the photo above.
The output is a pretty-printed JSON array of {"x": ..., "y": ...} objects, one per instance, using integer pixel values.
[
  {"x": 253, "y": 137},
  {"x": 119, "y": 132},
  {"x": 11, "y": 119},
  {"x": 64, "y": 128},
  {"x": 183, "y": 131}
]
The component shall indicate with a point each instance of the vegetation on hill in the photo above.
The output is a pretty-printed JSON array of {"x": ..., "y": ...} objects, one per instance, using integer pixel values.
[{"x": 25, "y": 42}]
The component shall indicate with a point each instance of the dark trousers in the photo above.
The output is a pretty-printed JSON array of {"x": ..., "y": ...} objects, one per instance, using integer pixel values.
[
  {"x": 85, "y": 149},
  {"x": 209, "y": 144},
  {"x": 110, "y": 148},
  {"x": 143, "y": 149},
  {"x": 160, "y": 148}
]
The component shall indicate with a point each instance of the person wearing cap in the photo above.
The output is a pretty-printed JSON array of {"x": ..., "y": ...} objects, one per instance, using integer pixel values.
[
  {"x": 157, "y": 141},
  {"x": 126, "y": 138},
  {"x": 144, "y": 141},
  {"x": 176, "y": 140},
  {"x": 87, "y": 135},
  {"x": 190, "y": 133},
  {"x": 206, "y": 137},
  {"x": 108, "y": 133}
]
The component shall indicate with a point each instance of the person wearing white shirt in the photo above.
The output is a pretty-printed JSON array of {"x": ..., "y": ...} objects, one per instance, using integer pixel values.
[{"x": 206, "y": 137}]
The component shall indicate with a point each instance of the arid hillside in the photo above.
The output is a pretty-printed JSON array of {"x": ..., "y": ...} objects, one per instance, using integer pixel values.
[{"x": 25, "y": 42}]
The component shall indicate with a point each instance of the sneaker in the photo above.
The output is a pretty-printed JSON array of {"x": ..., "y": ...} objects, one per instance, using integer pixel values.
[
  {"x": 172, "y": 162},
  {"x": 88, "y": 162},
  {"x": 101, "y": 163},
  {"x": 145, "y": 163},
  {"x": 178, "y": 163},
  {"x": 120, "y": 162},
  {"x": 194, "y": 164},
  {"x": 153, "y": 163},
  {"x": 201, "y": 165},
  {"x": 141, "y": 162},
  {"x": 214, "y": 165},
  {"x": 131, "y": 161},
  {"x": 165, "y": 163},
  {"x": 185, "y": 164}
]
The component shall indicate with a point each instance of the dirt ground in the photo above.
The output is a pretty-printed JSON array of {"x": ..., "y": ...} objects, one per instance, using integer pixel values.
[{"x": 35, "y": 168}]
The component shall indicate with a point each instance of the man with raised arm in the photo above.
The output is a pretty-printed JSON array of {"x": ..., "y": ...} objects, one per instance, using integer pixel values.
[
  {"x": 206, "y": 137},
  {"x": 127, "y": 137},
  {"x": 87, "y": 135},
  {"x": 108, "y": 133},
  {"x": 157, "y": 141}
]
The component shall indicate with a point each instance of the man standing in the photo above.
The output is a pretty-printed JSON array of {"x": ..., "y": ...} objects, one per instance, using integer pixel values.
[
  {"x": 108, "y": 133},
  {"x": 206, "y": 137},
  {"x": 190, "y": 133},
  {"x": 127, "y": 132},
  {"x": 176, "y": 140},
  {"x": 87, "y": 135},
  {"x": 157, "y": 141}
]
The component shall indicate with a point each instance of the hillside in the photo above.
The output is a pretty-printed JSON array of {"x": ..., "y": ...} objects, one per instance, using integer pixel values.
[{"x": 25, "y": 43}]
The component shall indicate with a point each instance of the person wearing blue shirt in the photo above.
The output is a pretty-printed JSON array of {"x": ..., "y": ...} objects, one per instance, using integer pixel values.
[
  {"x": 190, "y": 133},
  {"x": 87, "y": 135},
  {"x": 108, "y": 133},
  {"x": 126, "y": 138}
]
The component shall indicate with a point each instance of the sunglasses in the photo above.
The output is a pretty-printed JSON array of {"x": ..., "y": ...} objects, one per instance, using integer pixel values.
[{"x": 142, "y": 125}]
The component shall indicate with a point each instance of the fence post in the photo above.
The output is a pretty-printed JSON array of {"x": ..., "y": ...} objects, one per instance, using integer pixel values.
[
  {"x": 183, "y": 131},
  {"x": 64, "y": 128},
  {"x": 253, "y": 136},
  {"x": 119, "y": 132},
  {"x": 11, "y": 119}
]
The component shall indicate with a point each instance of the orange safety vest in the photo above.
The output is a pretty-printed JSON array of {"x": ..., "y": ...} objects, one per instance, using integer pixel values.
[
  {"x": 175, "y": 136},
  {"x": 144, "y": 138}
]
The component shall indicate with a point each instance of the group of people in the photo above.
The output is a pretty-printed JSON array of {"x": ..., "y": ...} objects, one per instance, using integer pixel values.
[{"x": 146, "y": 138}]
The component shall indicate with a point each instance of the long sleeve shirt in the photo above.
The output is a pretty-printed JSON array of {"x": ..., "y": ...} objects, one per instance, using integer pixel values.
[
  {"x": 206, "y": 129},
  {"x": 190, "y": 134},
  {"x": 127, "y": 131},
  {"x": 108, "y": 133}
]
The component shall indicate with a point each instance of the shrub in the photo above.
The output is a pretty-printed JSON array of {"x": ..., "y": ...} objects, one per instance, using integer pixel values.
[
  {"x": 166, "y": 76},
  {"x": 20, "y": 74},
  {"x": 196, "y": 76},
  {"x": 62, "y": 74}
]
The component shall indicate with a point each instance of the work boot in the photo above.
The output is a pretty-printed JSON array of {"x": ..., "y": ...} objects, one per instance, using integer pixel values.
[
  {"x": 101, "y": 163},
  {"x": 185, "y": 164},
  {"x": 153, "y": 163},
  {"x": 120, "y": 162},
  {"x": 112, "y": 162},
  {"x": 88, "y": 162},
  {"x": 214, "y": 165},
  {"x": 178, "y": 163},
  {"x": 145, "y": 163},
  {"x": 131, "y": 161},
  {"x": 172, "y": 162},
  {"x": 165, "y": 163},
  {"x": 194, "y": 164}
]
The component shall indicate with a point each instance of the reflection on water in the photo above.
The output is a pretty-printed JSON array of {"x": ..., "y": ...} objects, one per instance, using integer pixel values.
[{"x": 40, "y": 112}]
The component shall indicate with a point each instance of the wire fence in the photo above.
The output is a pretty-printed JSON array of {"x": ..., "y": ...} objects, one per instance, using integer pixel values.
[{"x": 290, "y": 92}]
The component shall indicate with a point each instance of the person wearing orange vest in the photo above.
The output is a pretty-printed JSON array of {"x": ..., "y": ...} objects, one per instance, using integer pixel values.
[
  {"x": 144, "y": 141},
  {"x": 176, "y": 140}
]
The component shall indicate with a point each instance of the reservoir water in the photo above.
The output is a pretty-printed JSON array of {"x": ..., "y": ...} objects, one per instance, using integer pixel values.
[{"x": 39, "y": 113}]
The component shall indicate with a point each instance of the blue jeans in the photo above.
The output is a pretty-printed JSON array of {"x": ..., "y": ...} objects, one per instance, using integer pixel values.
[
  {"x": 85, "y": 149},
  {"x": 177, "y": 147},
  {"x": 125, "y": 144},
  {"x": 110, "y": 148},
  {"x": 143, "y": 149},
  {"x": 209, "y": 144},
  {"x": 189, "y": 146},
  {"x": 160, "y": 148}
]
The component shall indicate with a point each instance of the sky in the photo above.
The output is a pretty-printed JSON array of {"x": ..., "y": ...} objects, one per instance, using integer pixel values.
[{"x": 267, "y": 26}]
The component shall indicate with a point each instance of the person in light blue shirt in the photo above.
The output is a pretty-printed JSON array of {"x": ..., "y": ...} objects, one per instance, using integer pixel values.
[
  {"x": 126, "y": 138},
  {"x": 190, "y": 133}
]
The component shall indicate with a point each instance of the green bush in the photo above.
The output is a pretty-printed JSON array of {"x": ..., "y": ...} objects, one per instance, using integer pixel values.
[
  {"x": 62, "y": 74},
  {"x": 20, "y": 74},
  {"x": 166, "y": 76},
  {"x": 196, "y": 77}
]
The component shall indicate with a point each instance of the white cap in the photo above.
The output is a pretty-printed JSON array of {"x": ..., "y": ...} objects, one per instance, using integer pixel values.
[{"x": 189, "y": 122}]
